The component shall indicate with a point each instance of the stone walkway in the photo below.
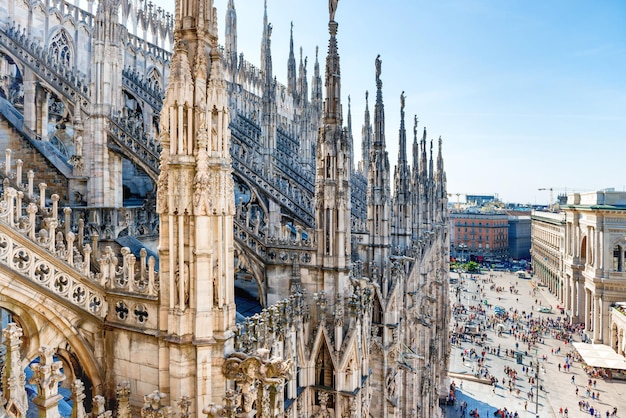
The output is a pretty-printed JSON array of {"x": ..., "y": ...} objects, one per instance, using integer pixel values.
[{"x": 559, "y": 391}]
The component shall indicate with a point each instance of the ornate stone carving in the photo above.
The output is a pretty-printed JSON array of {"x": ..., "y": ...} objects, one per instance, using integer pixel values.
[
  {"x": 152, "y": 407},
  {"x": 46, "y": 375},
  {"x": 13, "y": 377},
  {"x": 78, "y": 396},
  {"x": 249, "y": 371},
  {"x": 122, "y": 393}
]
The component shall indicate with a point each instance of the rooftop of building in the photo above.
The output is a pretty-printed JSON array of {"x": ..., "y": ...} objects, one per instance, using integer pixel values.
[{"x": 608, "y": 198}]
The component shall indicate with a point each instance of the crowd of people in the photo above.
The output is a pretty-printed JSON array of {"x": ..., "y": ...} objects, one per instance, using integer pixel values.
[{"x": 477, "y": 324}]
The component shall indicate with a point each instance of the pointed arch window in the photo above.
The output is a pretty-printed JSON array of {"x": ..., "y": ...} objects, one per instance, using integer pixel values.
[
  {"x": 154, "y": 78},
  {"x": 60, "y": 49},
  {"x": 324, "y": 376}
]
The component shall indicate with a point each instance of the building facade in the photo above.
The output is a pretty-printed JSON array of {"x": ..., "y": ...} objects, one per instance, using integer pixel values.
[
  {"x": 150, "y": 173},
  {"x": 578, "y": 253},
  {"x": 479, "y": 236},
  {"x": 519, "y": 234}
]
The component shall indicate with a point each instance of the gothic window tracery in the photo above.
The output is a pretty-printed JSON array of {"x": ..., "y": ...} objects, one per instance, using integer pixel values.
[
  {"x": 154, "y": 78},
  {"x": 60, "y": 49}
]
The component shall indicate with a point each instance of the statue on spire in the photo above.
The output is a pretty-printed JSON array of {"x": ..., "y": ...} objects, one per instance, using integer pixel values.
[
  {"x": 332, "y": 8},
  {"x": 378, "y": 63},
  {"x": 402, "y": 98}
]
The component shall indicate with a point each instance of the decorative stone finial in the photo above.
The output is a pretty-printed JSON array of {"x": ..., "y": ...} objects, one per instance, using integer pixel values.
[{"x": 122, "y": 393}]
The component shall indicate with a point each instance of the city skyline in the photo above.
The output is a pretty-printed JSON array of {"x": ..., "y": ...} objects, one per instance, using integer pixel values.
[{"x": 526, "y": 95}]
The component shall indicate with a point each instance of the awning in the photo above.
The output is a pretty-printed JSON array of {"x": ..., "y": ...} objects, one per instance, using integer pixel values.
[{"x": 600, "y": 355}]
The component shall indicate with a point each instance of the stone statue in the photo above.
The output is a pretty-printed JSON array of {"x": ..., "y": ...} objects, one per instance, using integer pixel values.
[
  {"x": 402, "y": 99},
  {"x": 332, "y": 8},
  {"x": 185, "y": 301},
  {"x": 378, "y": 63},
  {"x": 390, "y": 383},
  {"x": 216, "y": 269},
  {"x": 250, "y": 369}
]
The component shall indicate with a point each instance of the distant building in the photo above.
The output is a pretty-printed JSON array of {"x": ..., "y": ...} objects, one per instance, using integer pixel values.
[
  {"x": 579, "y": 255},
  {"x": 479, "y": 200},
  {"x": 519, "y": 234},
  {"x": 479, "y": 236}
]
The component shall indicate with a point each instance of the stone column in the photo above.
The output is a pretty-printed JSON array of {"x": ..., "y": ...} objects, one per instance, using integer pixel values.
[
  {"x": 30, "y": 89},
  {"x": 43, "y": 114},
  {"x": 47, "y": 375},
  {"x": 587, "y": 308},
  {"x": 13, "y": 377},
  {"x": 604, "y": 331},
  {"x": 597, "y": 313},
  {"x": 567, "y": 293}
]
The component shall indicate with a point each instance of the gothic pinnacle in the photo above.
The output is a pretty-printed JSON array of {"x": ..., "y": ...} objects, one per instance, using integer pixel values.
[
  {"x": 332, "y": 111},
  {"x": 379, "y": 110}
]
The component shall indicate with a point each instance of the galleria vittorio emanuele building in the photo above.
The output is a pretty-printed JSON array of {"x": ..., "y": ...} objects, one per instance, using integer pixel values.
[{"x": 182, "y": 234}]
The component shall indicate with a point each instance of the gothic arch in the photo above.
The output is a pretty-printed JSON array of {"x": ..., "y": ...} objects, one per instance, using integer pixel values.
[
  {"x": 248, "y": 198},
  {"x": 47, "y": 320},
  {"x": 248, "y": 261},
  {"x": 155, "y": 78},
  {"x": 323, "y": 366},
  {"x": 61, "y": 47},
  {"x": 13, "y": 88}
]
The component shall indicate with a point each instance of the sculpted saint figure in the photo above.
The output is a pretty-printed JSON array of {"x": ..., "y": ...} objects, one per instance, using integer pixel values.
[
  {"x": 378, "y": 63},
  {"x": 332, "y": 8}
]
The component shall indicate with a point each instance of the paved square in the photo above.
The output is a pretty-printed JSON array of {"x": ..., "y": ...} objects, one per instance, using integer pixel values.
[{"x": 512, "y": 330}]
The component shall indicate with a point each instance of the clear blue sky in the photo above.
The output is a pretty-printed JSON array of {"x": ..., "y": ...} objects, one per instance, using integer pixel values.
[{"x": 525, "y": 94}]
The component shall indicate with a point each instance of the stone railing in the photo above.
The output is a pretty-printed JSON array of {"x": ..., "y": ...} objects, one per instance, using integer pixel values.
[
  {"x": 143, "y": 149},
  {"x": 161, "y": 22},
  {"x": 134, "y": 81},
  {"x": 258, "y": 179},
  {"x": 66, "y": 8},
  {"x": 69, "y": 82},
  {"x": 18, "y": 254},
  {"x": 31, "y": 224},
  {"x": 276, "y": 248}
]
